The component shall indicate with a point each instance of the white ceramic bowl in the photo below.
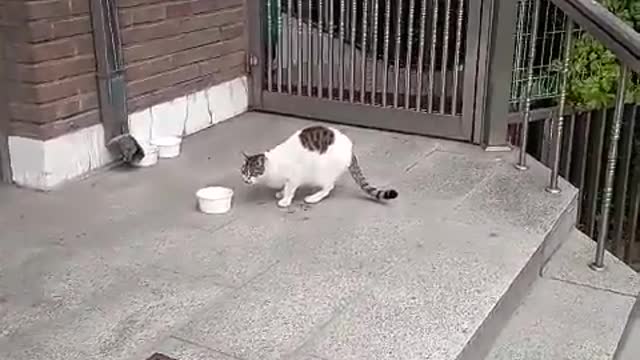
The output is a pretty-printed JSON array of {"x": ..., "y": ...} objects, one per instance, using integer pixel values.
[
  {"x": 168, "y": 146},
  {"x": 150, "y": 156},
  {"x": 214, "y": 199}
]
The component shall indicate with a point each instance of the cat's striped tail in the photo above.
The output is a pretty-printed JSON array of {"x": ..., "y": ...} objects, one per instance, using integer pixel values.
[{"x": 361, "y": 180}]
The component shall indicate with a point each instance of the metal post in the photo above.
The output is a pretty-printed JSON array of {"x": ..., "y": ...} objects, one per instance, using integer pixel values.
[
  {"x": 607, "y": 191},
  {"x": 5, "y": 168},
  {"x": 558, "y": 122},
  {"x": 255, "y": 11},
  {"x": 494, "y": 99},
  {"x": 522, "y": 159}
]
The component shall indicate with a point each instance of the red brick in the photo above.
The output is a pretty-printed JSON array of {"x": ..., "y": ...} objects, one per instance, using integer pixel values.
[
  {"x": 44, "y": 30},
  {"x": 56, "y": 128},
  {"x": 172, "y": 45},
  {"x": 44, "y": 113},
  {"x": 185, "y": 73},
  {"x": 52, "y": 50},
  {"x": 133, "y": 3},
  {"x": 55, "y": 90},
  {"x": 187, "y": 87},
  {"x": 142, "y": 15},
  {"x": 34, "y": 10},
  {"x": 158, "y": 65},
  {"x": 200, "y": 6},
  {"x": 141, "y": 34},
  {"x": 52, "y": 70}
]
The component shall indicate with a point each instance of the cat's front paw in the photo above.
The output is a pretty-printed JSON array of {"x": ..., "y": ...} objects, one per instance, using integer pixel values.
[{"x": 283, "y": 203}]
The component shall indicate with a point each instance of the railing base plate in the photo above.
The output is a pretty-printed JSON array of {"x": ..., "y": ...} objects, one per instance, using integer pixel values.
[{"x": 595, "y": 267}]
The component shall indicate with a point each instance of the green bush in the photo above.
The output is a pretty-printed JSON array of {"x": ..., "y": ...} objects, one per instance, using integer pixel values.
[{"x": 594, "y": 70}]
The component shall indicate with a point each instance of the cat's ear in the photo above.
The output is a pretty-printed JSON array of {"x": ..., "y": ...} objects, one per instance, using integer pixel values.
[{"x": 245, "y": 155}]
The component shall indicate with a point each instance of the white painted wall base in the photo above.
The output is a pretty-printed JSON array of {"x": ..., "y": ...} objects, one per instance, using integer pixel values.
[{"x": 45, "y": 164}]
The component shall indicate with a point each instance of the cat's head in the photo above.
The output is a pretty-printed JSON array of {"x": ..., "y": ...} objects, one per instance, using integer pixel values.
[{"x": 253, "y": 167}]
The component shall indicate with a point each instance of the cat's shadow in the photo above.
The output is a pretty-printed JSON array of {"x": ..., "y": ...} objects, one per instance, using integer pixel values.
[{"x": 261, "y": 195}]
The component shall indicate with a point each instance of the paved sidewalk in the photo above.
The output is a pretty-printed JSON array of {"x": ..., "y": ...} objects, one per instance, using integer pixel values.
[{"x": 120, "y": 265}]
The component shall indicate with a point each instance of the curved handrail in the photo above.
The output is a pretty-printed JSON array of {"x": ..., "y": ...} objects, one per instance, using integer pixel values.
[{"x": 606, "y": 27}]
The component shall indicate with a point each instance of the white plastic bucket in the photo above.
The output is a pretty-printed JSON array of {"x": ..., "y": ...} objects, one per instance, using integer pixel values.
[
  {"x": 214, "y": 199},
  {"x": 150, "y": 156},
  {"x": 168, "y": 146}
]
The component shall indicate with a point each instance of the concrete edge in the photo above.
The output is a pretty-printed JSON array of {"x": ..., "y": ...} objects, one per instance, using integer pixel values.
[
  {"x": 560, "y": 231},
  {"x": 480, "y": 344}
]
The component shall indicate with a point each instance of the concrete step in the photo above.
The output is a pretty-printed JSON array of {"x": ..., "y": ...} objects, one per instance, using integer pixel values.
[
  {"x": 434, "y": 275},
  {"x": 571, "y": 312}
]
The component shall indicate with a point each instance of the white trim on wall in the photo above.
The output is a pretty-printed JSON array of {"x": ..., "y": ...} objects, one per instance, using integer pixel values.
[{"x": 46, "y": 164}]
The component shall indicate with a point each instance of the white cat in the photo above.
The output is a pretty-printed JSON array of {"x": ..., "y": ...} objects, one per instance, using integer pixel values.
[{"x": 315, "y": 156}]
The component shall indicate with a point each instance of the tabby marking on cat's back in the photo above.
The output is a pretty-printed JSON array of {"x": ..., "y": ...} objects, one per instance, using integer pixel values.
[{"x": 317, "y": 138}]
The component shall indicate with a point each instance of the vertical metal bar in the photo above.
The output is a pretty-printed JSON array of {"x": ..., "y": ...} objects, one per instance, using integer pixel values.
[
  {"x": 374, "y": 66},
  {"x": 419, "y": 75},
  {"x": 409, "y": 58},
  {"x": 280, "y": 46},
  {"x": 622, "y": 180},
  {"x": 456, "y": 58},
  {"x": 607, "y": 191},
  {"x": 385, "y": 61},
  {"x": 396, "y": 62},
  {"x": 310, "y": 59},
  {"x": 341, "y": 51},
  {"x": 363, "y": 64},
  {"x": 269, "y": 68},
  {"x": 520, "y": 40},
  {"x": 5, "y": 158},
  {"x": 478, "y": 105},
  {"x": 320, "y": 81},
  {"x": 584, "y": 152},
  {"x": 432, "y": 56},
  {"x": 543, "y": 146},
  {"x": 634, "y": 212},
  {"x": 444, "y": 67},
  {"x": 559, "y": 118},
  {"x": 549, "y": 80},
  {"x": 331, "y": 50},
  {"x": 593, "y": 175},
  {"x": 545, "y": 27},
  {"x": 289, "y": 47},
  {"x": 352, "y": 73},
  {"x": 522, "y": 161},
  {"x": 300, "y": 47},
  {"x": 567, "y": 163}
]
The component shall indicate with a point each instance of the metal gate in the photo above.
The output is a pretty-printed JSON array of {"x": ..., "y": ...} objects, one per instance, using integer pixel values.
[{"x": 404, "y": 65}]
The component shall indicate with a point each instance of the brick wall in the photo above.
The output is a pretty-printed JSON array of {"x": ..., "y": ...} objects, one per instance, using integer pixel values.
[
  {"x": 50, "y": 67},
  {"x": 171, "y": 48},
  {"x": 176, "y": 47}
]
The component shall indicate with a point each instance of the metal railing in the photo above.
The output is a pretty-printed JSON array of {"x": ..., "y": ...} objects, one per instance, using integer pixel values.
[{"x": 575, "y": 83}]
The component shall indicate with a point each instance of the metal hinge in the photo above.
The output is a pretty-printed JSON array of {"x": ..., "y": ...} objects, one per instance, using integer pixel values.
[{"x": 252, "y": 61}]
